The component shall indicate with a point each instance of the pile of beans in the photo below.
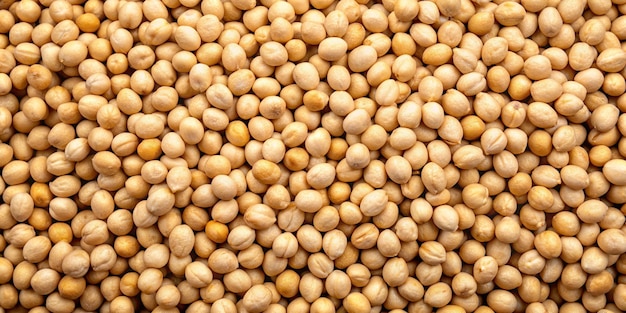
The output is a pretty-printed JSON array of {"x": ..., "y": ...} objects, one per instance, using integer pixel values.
[{"x": 312, "y": 156}]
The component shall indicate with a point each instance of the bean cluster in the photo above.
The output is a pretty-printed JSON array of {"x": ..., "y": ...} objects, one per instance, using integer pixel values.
[{"x": 313, "y": 156}]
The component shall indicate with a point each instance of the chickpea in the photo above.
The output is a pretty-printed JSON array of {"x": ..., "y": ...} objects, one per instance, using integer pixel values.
[{"x": 314, "y": 143}]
